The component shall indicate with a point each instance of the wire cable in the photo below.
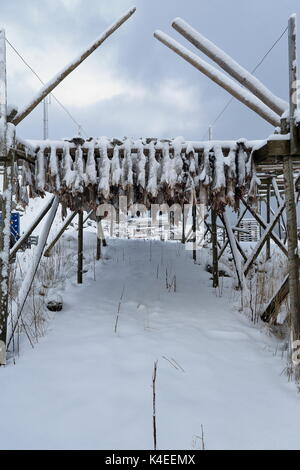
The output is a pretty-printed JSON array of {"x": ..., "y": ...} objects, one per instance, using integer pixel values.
[
  {"x": 252, "y": 71},
  {"x": 79, "y": 126}
]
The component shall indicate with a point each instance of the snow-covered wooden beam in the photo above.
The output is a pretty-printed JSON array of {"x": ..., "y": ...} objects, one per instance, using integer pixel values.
[
  {"x": 275, "y": 303},
  {"x": 263, "y": 224},
  {"x": 264, "y": 238},
  {"x": 291, "y": 205},
  {"x": 3, "y": 154},
  {"x": 31, "y": 228},
  {"x": 147, "y": 144},
  {"x": 236, "y": 90},
  {"x": 49, "y": 87},
  {"x": 230, "y": 66},
  {"x": 61, "y": 231},
  {"x": 32, "y": 269},
  {"x": 234, "y": 249}
]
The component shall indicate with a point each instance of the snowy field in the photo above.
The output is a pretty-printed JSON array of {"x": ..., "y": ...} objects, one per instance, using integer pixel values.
[{"x": 87, "y": 384}]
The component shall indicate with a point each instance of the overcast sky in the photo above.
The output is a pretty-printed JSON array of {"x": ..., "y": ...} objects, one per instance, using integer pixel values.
[{"x": 133, "y": 85}]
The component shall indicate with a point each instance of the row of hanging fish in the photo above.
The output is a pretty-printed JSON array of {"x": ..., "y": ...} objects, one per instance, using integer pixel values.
[{"x": 85, "y": 174}]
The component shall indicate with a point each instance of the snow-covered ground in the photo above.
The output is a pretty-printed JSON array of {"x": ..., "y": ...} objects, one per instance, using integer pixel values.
[{"x": 85, "y": 386}]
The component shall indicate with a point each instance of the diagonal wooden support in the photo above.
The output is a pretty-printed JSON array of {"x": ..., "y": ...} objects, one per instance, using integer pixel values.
[
  {"x": 230, "y": 66},
  {"x": 277, "y": 300},
  {"x": 278, "y": 199},
  {"x": 32, "y": 269},
  {"x": 236, "y": 90},
  {"x": 234, "y": 249},
  {"x": 259, "y": 219},
  {"x": 49, "y": 87},
  {"x": 264, "y": 239},
  {"x": 60, "y": 233},
  {"x": 32, "y": 227},
  {"x": 227, "y": 241}
]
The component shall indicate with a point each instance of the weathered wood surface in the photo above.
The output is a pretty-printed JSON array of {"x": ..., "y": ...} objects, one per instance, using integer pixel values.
[
  {"x": 264, "y": 239},
  {"x": 291, "y": 209},
  {"x": 230, "y": 66},
  {"x": 6, "y": 202},
  {"x": 232, "y": 87},
  {"x": 32, "y": 269},
  {"x": 57, "y": 237},
  {"x": 46, "y": 90},
  {"x": 275, "y": 303},
  {"x": 31, "y": 228}
]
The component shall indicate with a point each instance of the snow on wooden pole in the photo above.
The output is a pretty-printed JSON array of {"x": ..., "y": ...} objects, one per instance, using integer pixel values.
[
  {"x": 268, "y": 244},
  {"x": 59, "y": 234},
  {"x": 80, "y": 248},
  {"x": 236, "y": 90},
  {"x": 291, "y": 209},
  {"x": 234, "y": 249},
  {"x": 214, "y": 236},
  {"x": 194, "y": 230},
  {"x": 264, "y": 238},
  {"x": 230, "y": 66},
  {"x": 6, "y": 141},
  {"x": 263, "y": 224},
  {"x": 32, "y": 269},
  {"x": 31, "y": 228},
  {"x": 49, "y": 87}
]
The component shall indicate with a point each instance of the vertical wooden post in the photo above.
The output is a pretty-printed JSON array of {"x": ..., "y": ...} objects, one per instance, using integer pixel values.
[
  {"x": 160, "y": 225},
  {"x": 6, "y": 203},
  {"x": 259, "y": 211},
  {"x": 183, "y": 225},
  {"x": 99, "y": 249},
  {"x": 99, "y": 240},
  {"x": 80, "y": 248},
  {"x": 214, "y": 235},
  {"x": 172, "y": 225},
  {"x": 194, "y": 230},
  {"x": 290, "y": 193},
  {"x": 268, "y": 244}
]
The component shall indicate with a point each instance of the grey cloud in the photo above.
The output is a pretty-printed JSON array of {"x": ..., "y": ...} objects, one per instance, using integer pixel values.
[{"x": 244, "y": 29}]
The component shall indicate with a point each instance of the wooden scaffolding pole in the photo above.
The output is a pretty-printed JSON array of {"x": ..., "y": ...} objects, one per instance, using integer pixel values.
[
  {"x": 194, "y": 230},
  {"x": 236, "y": 90},
  {"x": 32, "y": 227},
  {"x": 268, "y": 244},
  {"x": 59, "y": 234},
  {"x": 214, "y": 236},
  {"x": 6, "y": 202},
  {"x": 234, "y": 249},
  {"x": 80, "y": 248},
  {"x": 31, "y": 272},
  {"x": 230, "y": 66},
  {"x": 291, "y": 208},
  {"x": 49, "y": 87}
]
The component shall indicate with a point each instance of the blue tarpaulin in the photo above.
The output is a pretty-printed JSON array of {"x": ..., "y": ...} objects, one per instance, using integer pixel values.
[{"x": 14, "y": 225}]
